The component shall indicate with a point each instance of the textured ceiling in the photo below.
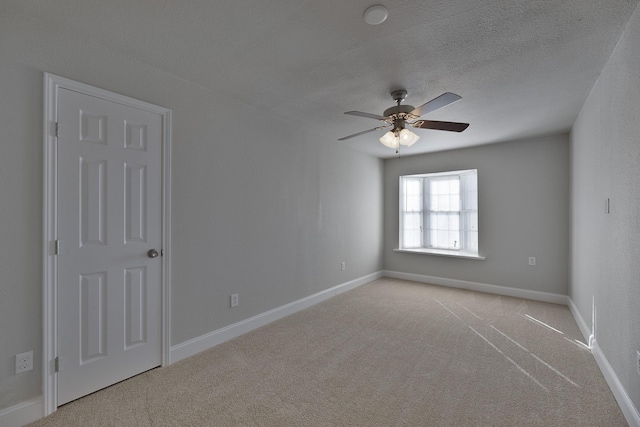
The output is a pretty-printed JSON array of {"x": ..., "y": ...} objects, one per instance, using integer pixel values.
[{"x": 522, "y": 67}]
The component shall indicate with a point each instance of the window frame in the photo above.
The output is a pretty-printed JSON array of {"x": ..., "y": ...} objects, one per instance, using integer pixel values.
[{"x": 463, "y": 251}]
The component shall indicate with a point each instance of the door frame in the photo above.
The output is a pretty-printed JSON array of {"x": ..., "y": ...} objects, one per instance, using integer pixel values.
[{"x": 52, "y": 84}]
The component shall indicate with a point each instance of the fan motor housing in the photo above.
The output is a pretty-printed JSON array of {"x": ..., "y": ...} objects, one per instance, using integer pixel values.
[{"x": 398, "y": 109}]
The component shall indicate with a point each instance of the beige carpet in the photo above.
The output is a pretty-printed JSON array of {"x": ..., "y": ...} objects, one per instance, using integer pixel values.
[{"x": 389, "y": 353}]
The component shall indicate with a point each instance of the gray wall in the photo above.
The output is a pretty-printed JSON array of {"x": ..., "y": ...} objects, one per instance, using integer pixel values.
[
  {"x": 261, "y": 207},
  {"x": 605, "y": 155},
  {"x": 523, "y": 208}
]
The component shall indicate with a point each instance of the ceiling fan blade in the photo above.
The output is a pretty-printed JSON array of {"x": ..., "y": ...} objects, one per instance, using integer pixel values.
[
  {"x": 435, "y": 104},
  {"x": 367, "y": 115},
  {"x": 449, "y": 126},
  {"x": 363, "y": 132}
]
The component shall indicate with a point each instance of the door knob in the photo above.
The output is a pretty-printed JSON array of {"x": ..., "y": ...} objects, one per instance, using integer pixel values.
[{"x": 152, "y": 253}]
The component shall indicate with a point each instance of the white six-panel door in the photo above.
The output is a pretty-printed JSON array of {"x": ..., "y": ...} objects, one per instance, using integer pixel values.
[{"x": 109, "y": 216}]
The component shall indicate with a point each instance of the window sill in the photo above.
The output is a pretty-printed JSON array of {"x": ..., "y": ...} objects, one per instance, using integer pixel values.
[{"x": 442, "y": 252}]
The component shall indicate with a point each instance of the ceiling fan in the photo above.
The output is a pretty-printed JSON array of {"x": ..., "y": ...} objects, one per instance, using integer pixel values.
[{"x": 401, "y": 115}]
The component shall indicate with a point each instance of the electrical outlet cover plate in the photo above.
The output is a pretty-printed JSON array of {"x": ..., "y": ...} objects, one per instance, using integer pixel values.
[{"x": 24, "y": 362}]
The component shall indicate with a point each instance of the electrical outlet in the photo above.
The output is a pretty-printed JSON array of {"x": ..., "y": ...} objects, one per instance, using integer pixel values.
[
  {"x": 532, "y": 260},
  {"x": 343, "y": 266},
  {"x": 234, "y": 300},
  {"x": 638, "y": 361},
  {"x": 24, "y": 362}
]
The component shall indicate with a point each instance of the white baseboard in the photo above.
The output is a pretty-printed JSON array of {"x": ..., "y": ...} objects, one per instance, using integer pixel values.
[
  {"x": 624, "y": 401},
  {"x": 204, "y": 342},
  {"x": 23, "y": 413},
  {"x": 481, "y": 287},
  {"x": 584, "y": 326},
  {"x": 33, "y": 410}
]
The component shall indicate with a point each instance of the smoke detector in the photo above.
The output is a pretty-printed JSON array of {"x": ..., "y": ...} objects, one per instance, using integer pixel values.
[{"x": 376, "y": 14}]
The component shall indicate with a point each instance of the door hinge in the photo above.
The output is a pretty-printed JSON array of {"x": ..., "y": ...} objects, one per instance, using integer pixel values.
[
  {"x": 56, "y": 363},
  {"x": 57, "y": 128},
  {"x": 57, "y": 250}
]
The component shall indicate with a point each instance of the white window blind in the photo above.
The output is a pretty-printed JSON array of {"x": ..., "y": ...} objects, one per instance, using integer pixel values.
[
  {"x": 412, "y": 213},
  {"x": 439, "y": 211}
]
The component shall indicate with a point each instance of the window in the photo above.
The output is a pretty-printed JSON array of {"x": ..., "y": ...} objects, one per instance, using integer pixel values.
[{"x": 439, "y": 213}]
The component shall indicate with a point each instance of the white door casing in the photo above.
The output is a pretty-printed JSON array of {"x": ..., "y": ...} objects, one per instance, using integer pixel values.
[{"x": 106, "y": 204}]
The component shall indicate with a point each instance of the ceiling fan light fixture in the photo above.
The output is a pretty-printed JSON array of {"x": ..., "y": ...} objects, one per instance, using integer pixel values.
[
  {"x": 390, "y": 140},
  {"x": 407, "y": 137},
  {"x": 402, "y": 115}
]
